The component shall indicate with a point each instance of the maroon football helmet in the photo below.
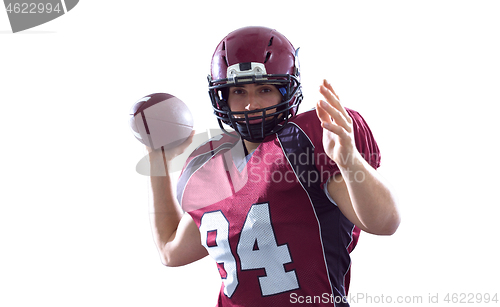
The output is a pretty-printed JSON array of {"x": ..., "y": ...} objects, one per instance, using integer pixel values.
[{"x": 255, "y": 55}]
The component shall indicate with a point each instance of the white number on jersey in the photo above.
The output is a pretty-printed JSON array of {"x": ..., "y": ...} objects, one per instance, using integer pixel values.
[
  {"x": 216, "y": 221},
  {"x": 257, "y": 249}
]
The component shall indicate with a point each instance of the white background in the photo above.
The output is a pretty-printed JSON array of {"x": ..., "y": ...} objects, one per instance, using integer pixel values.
[{"x": 74, "y": 220}]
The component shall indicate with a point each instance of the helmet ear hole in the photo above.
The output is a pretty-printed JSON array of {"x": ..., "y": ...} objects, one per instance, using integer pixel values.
[
  {"x": 268, "y": 55},
  {"x": 224, "y": 94}
]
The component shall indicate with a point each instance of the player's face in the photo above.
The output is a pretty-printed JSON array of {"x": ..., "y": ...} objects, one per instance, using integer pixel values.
[{"x": 249, "y": 97}]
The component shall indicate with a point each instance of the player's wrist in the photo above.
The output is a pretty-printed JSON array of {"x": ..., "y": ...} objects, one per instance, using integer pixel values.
[
  {"x": 352, "y": 161},
  {"x": 159, "y": 162}
]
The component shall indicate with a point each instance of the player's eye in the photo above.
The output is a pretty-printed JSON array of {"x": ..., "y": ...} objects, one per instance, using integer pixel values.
[{"x": 266, "y": 89}]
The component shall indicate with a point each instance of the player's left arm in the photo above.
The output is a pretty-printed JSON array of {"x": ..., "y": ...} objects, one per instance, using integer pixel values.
[{"x": 359, "y": 190}]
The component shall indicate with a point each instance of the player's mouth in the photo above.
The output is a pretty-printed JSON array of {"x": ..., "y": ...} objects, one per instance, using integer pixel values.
[{"x": 255, "y": 121}]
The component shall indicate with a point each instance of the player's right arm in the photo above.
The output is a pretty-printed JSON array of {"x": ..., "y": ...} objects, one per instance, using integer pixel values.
[{"x": 176, "y": 235}]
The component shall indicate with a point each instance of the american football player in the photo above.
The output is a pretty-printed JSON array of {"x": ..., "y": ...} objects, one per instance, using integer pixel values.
[{"x": 279, "y": 199}]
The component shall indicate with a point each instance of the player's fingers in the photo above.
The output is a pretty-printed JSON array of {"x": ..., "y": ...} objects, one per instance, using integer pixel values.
[
  {"x": 323, "y": 115},
  {"x": 335, "y": 115},
  {"x": 182, "y": 147},
  {"x": 330, "y": 97},
  {"x": 329, "y": 86},
  {"x": 327, "y": 91},
  {"x": 343, "y": 135},
  {"x": 189, "y": 140}
]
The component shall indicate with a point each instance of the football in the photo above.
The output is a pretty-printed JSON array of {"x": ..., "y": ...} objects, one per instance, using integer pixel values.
[{"x": 161, "y": 119}]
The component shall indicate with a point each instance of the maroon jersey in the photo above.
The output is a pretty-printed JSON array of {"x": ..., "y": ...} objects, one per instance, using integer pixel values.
[{"x": 266, "y": 219}]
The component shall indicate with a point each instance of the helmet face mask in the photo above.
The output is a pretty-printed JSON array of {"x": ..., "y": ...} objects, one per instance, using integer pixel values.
[{"x": 255, "y": 55}]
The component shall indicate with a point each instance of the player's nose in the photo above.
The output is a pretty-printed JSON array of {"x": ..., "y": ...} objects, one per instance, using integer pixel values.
[{"x": 253, "y": 103}]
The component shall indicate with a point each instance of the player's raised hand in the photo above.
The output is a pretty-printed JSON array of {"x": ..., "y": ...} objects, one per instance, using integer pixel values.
[{"x": 338, "y": 134}]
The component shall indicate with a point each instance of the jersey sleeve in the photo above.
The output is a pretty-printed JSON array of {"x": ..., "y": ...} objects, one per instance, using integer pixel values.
[
  {"x": 365, "y": 143},
  {"x": 201, "y": 163}
]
